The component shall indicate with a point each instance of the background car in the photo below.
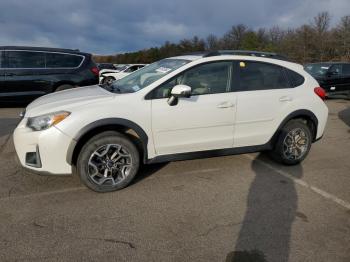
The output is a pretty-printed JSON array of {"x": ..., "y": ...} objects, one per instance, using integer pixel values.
[
  {"x": 334, "y": 77},
  {"x": 102, "y": 66},
  {"x": 29, "y": 72},
  {"x": 107, "y": 77}
]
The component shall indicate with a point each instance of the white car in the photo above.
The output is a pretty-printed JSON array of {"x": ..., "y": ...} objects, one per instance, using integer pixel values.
[
  {"x": 107, "y": 76},
  {"x": 177, "y": 108}
]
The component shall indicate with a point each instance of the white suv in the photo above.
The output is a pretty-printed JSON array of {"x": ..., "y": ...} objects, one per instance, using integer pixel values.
[{"x": 178, "y": 108}]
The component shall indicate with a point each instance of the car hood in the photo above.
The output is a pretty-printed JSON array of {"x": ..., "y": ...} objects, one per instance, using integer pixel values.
[{"x": 64, "y": 100}]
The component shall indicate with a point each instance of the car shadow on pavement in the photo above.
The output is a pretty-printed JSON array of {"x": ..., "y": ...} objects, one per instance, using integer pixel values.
[
  {"x": 344, "y": 115},
  {"x": 8, "y": 125},
  {"x": 271, "y": 209},
  {"x": 148, "y": 170}
]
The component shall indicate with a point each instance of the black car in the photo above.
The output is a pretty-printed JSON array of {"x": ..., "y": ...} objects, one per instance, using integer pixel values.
[
  {"x": 334, "y": 77},
  {"x": 29, "y": 72}
]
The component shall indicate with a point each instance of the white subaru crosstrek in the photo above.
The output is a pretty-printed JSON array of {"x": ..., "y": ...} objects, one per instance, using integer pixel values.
[{"x": 178, "y": 108}]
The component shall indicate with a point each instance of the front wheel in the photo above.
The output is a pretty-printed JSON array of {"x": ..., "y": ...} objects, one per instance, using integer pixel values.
[
  {"x": 108, "y": 162},
  {"x": 293, "y": 143}
]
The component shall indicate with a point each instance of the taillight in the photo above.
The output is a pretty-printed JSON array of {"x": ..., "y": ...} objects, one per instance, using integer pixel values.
[
  {"x": 95, "y": 71},
  {"x": 320, "y": 92}
]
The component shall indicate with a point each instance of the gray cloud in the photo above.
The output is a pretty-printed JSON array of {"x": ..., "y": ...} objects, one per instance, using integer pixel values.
[{"x": 105, "y": 27}]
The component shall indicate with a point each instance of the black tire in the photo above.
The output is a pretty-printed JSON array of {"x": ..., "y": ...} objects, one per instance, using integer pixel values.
[
  {"x": 88, "y": 152},
  {"x": 279, "y": 151},
  {"x": 107, "y": 81},
  {"x": 63, "y": 87}
]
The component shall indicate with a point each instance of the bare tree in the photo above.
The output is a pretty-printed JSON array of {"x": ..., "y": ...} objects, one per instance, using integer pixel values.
[
  {"x": 233, "y": 38},
  {"x": 212, "y": 42},
  {"x": 276, "y": 35},
  {"x": 321, "y": 25},
  {"x": 322, "y": 22},
  {"x": 313, "y": 42},
  {"x": 343, "y": 37}
]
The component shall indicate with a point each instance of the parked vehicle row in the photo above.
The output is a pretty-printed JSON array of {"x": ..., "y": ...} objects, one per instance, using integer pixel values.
[
  {"x": 334, "y": 77},
  {"x": 200, "y": 105},
  {"x": 107, "y": 77},
  {"x": 28, "y": 72}
]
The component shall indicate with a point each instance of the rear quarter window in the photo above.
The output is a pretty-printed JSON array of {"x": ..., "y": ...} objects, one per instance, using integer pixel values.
[
  {"x": 295, "y": 79},
  {"x": 56, "y": 60}
]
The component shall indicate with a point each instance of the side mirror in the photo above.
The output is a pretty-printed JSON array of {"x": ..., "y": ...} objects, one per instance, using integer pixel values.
[{"x": 179, "y": 91}]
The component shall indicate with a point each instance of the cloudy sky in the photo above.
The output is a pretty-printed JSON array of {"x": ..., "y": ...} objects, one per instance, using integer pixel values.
[{"x": 106, "y": 27}]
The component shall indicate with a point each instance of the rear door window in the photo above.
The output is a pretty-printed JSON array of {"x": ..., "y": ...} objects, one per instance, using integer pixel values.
[
  {"x": 57, "y": 60},
  {"x": 261, "y": 76},
  {"x": 25, "y": 59}
]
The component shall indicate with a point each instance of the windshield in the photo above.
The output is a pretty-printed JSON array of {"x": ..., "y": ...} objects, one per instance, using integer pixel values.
[
  {"x": 146, "y": 75},
  {"x": 317, "y": 69},
  {"x": 121, "y": 67}
]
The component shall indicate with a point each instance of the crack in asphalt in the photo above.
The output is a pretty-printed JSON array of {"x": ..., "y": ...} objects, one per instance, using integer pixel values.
[
  {"x": 39, "y": 225},
  {"x": 45, "y": 193},
  {"x": 112, "y": 240},
  {"x": 10, "y": 191},
  {"x": 2, "y": 147}
]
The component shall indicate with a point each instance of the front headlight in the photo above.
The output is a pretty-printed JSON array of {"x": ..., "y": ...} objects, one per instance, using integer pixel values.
[{"x": 43, "y": 122}]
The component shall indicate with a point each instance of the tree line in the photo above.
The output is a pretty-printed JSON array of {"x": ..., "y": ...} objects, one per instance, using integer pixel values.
[{"x": 316, "y": 41}]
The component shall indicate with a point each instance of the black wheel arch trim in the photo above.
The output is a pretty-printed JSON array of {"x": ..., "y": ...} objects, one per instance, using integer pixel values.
[
  {"x": 107, "y": 122},
  {"x": 293, "y": 115}
]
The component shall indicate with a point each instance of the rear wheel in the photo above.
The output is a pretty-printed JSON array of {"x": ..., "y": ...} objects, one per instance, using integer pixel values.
[
  {"x": 108, "y": 162},
  {"x": 293, "y": 144}
]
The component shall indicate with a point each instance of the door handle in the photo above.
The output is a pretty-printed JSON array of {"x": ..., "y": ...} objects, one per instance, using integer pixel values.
[
  {"x": 225, "y": 105},
  {"x": 285, "y": 99}
]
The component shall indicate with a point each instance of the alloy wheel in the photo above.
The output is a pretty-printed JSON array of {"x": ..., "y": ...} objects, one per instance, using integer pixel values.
[
  {"x": 109, "y": 165},
  {"x": 295, "y": 144}
]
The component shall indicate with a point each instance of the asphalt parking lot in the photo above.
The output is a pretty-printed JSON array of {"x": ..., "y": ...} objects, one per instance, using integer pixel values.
[{"x": 232, "y": 208}]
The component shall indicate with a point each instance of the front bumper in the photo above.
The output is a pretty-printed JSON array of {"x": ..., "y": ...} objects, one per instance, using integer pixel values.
[{"x": 42, "y": 152}]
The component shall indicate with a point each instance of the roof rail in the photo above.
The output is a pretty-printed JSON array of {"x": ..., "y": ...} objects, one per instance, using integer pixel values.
[
  {"x": 37, "y": 48},
  {"x": 241, "y": 52}
]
